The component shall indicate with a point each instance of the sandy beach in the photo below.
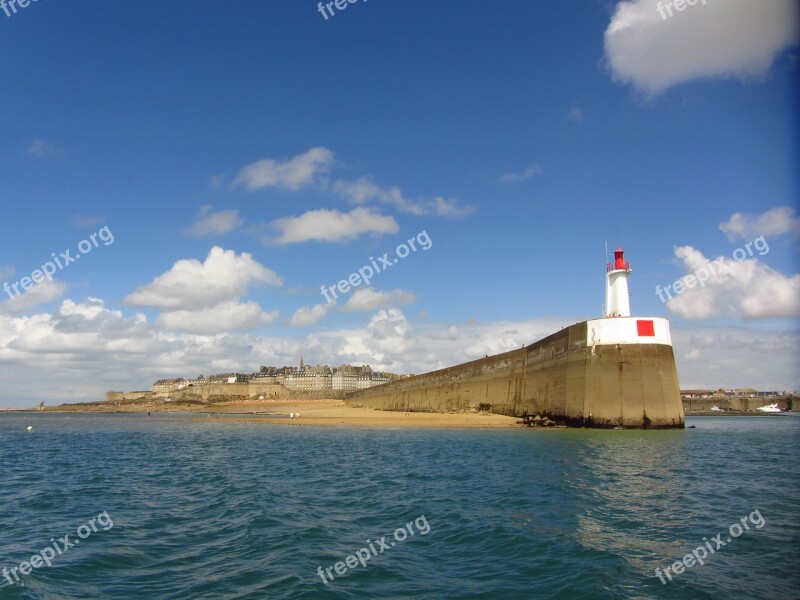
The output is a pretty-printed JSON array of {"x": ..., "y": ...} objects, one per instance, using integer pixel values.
[
  {"x": 313, "y": 413},
  {"x": 334, "y": 413}
]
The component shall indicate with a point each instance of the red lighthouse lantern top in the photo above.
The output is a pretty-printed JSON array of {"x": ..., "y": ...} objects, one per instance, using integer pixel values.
[{"x": 619, "y": 264}]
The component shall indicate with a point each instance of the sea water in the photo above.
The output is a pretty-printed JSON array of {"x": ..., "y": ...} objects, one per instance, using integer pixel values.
[{"x": 200, "y": 507}]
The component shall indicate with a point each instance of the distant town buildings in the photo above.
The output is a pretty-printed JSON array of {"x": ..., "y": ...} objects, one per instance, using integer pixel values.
[
  {"x": 169, "y": 385},
  {"x": 730, "y": 393},
  {"x": 303, "y": 378}
]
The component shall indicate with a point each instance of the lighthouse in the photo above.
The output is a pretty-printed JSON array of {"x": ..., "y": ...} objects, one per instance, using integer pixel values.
[{"x": 618, "y": 303}]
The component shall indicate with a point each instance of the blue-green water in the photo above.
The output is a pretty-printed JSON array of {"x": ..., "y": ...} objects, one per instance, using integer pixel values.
[{"x": 214, "y": 508}]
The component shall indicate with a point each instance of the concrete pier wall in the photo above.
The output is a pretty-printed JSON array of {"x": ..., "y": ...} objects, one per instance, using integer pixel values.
[{"x": 563, "y": 376}]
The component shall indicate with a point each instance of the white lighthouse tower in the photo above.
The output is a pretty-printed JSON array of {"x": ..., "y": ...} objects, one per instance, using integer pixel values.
[{"x": 618, "y": 302}]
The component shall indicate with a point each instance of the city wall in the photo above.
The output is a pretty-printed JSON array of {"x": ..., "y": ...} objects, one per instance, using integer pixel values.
[
  {"x": 120, "y": 396},
  {"x": 562, "y": 377},
  {"x": 270, "y": 391},
  {"x": 212, "y": 391}
]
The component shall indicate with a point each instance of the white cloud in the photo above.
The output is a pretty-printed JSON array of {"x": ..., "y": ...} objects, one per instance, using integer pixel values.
[
  {"x": 730, "y": 38},
  {"x": 450, "y": 208},
  {"x": 305, "y": 316},
  {"x": 369, "y": 299},
  {"x": 41, "y": 293},
  {"x": 746, "y": 289},
  {"x": 41, "y": 149},
  {"x": 773, "y": 222},
  {"x": 524, "y": 175},
  {"x": 292, "y": 174},
  {"x": 192, "y": 285},
  {"x": 224, "y": 317},
  {"x": 311, "y": 168},
  {"x": 326, "y": 225},
  {"x": 389, "y": 332},
  {"x": 364, "y": 190},
  {"x": 214, "y": 223}
]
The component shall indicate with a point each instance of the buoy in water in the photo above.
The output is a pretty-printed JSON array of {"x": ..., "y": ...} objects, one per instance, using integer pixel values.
[{"x": 30, "y": 427}]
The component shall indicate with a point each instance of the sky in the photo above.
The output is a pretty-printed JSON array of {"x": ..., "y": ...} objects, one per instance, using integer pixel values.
[{"x": 184, "y": 185}]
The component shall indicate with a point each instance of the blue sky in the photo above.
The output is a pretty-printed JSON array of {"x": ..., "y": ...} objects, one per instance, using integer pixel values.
[{"x": 519, "y": 136}]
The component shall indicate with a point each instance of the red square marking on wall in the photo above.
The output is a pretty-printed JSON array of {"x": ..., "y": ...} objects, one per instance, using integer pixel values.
[{"x": 645, "y": 328}]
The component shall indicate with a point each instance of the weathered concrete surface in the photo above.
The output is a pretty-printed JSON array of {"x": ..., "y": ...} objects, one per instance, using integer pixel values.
[{"x": 627, "y": 385}]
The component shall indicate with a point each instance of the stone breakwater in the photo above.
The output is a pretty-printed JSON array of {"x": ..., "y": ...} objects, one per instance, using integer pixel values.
[{"x": 579, "y": 376}]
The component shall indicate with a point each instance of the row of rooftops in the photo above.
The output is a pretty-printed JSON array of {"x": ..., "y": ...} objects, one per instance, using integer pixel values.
[
  {"x": 266, "y": 372},
  {"x": 729, "y": 393}
]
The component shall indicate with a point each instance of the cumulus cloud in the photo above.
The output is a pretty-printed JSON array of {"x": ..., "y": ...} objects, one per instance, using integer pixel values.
[
  {"x": 524, "y": 175},
  {"x": 733, "y": 38},
  {"x": 325, "y": 225},
  {"x": 214, "y": 223},
  {"x": 192, "y": 285},
  {"x": 85, "y": 347},
  {"x": 312, "y": 167},
  {"x": 773, "y": 222},
  {"x": 742, "y": 289},
  {"x": 305, "y": 316},
  {"x": 442, "y": 207},
  {"x": 293, "y": 174},
  {"x": 364, "y": 190},
  {"x": 389, "y": 332},
  {"x": 226, "y": 316},
  {"x": 369, "y": 299},
  {"x": 70, "y": 336},
  {"x": 41, "y": 293}
]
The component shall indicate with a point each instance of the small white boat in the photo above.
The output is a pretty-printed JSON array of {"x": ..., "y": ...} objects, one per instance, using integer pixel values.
[
  {"x": 769, "y": 408},
  {"x": 716, "y": 408}
]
